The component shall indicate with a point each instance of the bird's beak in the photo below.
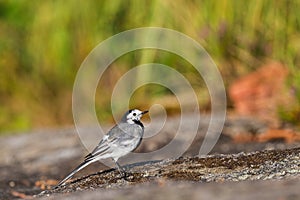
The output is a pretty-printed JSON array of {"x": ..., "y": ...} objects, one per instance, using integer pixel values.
[{"x": 144, "y": 112}]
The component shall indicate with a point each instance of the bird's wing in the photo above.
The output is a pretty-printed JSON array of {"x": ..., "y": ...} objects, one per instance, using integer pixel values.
[
  {"x": 120, "y": 135},
  {"x": 104, "y": 145},
  {"x": 124, "y": 134},
  {"x": 100, "y": 149}
]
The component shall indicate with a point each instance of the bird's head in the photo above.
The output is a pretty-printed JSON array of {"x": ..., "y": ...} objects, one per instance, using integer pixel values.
[{"x": 133, "y": 115}]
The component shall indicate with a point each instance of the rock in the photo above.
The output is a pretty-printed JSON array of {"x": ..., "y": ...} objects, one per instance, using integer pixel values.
[
  {"x": 34, "y": 161},
  {"x": 246, "y": 190},
  {"x": 264, "y": 165}
]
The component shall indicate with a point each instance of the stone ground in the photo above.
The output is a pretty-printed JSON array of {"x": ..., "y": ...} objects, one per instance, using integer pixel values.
[{"x": 32, "y": 163}]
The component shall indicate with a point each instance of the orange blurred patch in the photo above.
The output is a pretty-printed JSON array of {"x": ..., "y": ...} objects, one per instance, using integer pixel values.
[
  {"x": 288, "y": 136},
  {"x": 243, "y": 137},
  {"x": 46, "y": 184},
  {"x": 261, "y": 92},
  {"x": 21, "y": 195}
]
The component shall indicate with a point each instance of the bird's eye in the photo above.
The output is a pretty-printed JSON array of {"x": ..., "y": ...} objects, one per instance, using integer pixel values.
[{"x": 134, "y": 114}]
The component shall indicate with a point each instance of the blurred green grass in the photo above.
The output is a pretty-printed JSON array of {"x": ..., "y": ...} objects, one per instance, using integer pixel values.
[{"x": 43, "y": 43}]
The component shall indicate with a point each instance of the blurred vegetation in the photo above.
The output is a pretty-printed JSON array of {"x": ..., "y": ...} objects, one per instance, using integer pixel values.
[{"x": 43, "y": 43}]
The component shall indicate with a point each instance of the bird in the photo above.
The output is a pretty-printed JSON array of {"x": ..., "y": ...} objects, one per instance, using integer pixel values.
[{"x": 122, "y": 139}]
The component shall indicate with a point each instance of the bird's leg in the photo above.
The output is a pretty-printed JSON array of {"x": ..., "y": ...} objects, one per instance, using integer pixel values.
[{"x": 120, "y": 169}]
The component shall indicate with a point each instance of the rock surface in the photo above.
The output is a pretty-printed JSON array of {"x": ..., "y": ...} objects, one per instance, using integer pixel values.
[
  {"x": 34, "y": 162},
  {"x": 247, "y": 190},
  {"x": 264, "y": 165}
]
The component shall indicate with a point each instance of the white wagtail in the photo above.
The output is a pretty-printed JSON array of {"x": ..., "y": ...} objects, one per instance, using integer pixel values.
[{"x": 122, "y": 139}]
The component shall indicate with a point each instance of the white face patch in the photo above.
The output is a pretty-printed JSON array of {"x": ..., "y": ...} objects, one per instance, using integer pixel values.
[{"x": 134, "y": 115}]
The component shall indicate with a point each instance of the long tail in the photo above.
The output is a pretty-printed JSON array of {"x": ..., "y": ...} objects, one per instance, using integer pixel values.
[{"x": 77, "y": 169}]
